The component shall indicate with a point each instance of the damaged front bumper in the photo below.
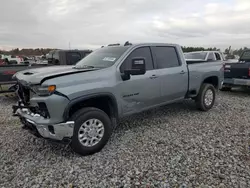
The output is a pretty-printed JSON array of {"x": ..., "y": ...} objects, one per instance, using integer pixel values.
[{"x": 40, "y": 126}]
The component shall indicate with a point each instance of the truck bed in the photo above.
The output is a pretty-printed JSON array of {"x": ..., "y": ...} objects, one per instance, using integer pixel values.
[
  {"x": 194, "y": 61},
  {"x": 198, "y": 71}
]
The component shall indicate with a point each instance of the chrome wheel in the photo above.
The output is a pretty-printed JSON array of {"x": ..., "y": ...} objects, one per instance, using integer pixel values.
[
  {"x": 91, "y": 132},
  {"x": 209, "y": 97}
]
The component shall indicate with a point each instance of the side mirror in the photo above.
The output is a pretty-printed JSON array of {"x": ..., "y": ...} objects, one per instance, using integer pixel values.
[{"x": 138, "y": 67}]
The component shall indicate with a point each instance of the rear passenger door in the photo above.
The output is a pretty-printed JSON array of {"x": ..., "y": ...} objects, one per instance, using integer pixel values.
[{"x": 172, "y": 74}]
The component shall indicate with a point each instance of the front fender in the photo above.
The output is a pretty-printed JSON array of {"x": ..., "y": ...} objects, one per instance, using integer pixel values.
[{"x": 91, "y": 96}]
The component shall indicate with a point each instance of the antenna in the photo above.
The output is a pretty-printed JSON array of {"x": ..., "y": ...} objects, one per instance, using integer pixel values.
[{"x": 69, "y": 45}]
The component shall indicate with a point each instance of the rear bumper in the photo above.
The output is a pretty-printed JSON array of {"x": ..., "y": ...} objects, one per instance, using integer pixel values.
[
  {"x": 236, "y": 82},
  {"x": 60, "y": 131}
]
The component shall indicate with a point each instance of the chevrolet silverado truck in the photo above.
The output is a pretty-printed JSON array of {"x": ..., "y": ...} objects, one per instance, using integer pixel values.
[
  {"x": 55, "y": 58},
  {"x": 237, "y": 73},
  {"x": 82, "y": 104}
]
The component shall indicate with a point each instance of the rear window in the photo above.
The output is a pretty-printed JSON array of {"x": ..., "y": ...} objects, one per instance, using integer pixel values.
[{"x": 196, "y": 55}]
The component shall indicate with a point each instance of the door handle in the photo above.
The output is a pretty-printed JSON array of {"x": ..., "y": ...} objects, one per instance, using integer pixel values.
[
  {"x": 182, "y": 72},
  {"x": 153, "y": 76}
]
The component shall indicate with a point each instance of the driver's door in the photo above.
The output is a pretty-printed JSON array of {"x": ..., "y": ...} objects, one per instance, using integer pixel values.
[{"x": 140, "y": 92}]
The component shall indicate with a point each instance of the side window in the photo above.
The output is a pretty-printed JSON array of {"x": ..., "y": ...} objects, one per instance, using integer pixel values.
[
  {"x": 211, "y": 56},
  {"x": 166, "y": 57},
  {"x": 217, "y": 55},
  {"x": 73, "y": 58},
  {"x": 139, "y": 52}
]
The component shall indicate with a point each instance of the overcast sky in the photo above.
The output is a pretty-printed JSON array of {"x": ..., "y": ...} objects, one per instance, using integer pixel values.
[{"x": 92, "y": 23}]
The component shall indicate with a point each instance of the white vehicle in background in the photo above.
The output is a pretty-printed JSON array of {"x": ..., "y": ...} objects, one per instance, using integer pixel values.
[{"x": 12, "y": 58}]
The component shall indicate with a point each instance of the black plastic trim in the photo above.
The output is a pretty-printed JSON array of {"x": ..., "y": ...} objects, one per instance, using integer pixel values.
[
  {"x": 86, "y": 97},
  {"x": 60, "y": 94}
]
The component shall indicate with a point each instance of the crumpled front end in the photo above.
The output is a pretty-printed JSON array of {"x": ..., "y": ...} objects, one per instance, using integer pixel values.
[{"x": 43, "y": 116}]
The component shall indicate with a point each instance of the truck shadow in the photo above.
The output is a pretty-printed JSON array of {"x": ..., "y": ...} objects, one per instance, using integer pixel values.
[
  {"x": 239, "y": 91},
  {"x": 144, "y": 119},
  {"x": 160, "y": 115}
]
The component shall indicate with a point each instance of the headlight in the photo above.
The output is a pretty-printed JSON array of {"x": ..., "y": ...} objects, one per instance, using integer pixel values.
[{"x": 44, "y": 90}]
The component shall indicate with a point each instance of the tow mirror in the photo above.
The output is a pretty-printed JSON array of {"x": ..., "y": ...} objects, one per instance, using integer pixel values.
[{"x": 138, "y": 67}]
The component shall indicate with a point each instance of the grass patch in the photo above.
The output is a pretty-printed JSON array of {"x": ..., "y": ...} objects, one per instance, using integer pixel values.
[{"x": 5, "y": 88}]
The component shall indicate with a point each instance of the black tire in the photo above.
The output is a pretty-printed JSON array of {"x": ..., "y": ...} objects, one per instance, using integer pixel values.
[
  {"x": 82, "y": 116},
  {"x": 200, "y": 99}
]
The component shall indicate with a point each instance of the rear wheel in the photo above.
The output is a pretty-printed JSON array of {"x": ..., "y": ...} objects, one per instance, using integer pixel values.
[
  {"x": 206, "y": 97},
  {"x": 92, "y": 130}
]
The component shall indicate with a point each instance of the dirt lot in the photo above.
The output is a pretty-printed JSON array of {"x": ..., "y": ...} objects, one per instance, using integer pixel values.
[{"x": 173, "y": 146}]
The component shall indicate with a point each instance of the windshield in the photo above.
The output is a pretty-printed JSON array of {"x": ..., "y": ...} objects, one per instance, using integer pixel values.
[
  {"x": 102, "y": 58},
  {"x": 196, "y": 55}
]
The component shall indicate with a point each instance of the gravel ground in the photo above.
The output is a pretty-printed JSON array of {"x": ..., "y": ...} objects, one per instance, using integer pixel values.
[{"x": 173, "y": 146}]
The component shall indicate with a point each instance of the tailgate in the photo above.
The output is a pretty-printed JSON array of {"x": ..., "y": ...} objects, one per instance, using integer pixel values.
[{"x": 237, "y": 70}]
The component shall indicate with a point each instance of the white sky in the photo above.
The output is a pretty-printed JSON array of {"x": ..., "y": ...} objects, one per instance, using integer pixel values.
[{"x": 93, "y": 23}]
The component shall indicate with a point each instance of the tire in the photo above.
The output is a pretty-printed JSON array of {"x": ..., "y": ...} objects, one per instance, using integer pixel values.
[
  {"x": 201, "y": 99},
  {"x": 85, "y": 115}
]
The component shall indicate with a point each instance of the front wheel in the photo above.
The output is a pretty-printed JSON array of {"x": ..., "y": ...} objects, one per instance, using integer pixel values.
[
  {"x": 206, "y": 97},
  {"x": 92, "y": 130}
]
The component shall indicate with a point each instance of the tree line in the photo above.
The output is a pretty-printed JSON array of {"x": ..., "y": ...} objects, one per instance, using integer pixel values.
[
  {"x": 226, "y": 51},
  {"x": 43, "y": 51},
  {"x": 192, "y": 49},
  {"x": 27, "y": 51}
]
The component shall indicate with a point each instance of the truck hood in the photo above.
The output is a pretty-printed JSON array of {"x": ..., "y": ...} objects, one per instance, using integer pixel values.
[{"x": 39, "y": 75}]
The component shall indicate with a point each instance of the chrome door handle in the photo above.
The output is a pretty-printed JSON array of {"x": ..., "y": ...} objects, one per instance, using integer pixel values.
[{"x": 182, "y": 72}]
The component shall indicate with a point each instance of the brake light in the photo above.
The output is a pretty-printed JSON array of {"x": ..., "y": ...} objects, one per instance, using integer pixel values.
[
  {"x": 226, "y": 68},
  {"x": 248, "y": 71}
]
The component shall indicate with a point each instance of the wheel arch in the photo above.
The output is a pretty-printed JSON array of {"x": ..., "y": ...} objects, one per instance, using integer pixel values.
[
  {"x": 214, "y": 80},
  {"x": 99, "y": 100}
]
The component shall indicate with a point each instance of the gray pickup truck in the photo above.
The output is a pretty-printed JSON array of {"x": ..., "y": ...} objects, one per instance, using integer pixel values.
[{"x": 83, "y": 103}]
